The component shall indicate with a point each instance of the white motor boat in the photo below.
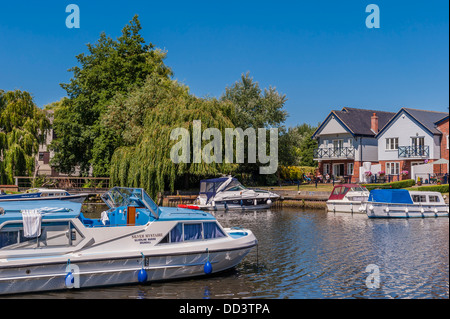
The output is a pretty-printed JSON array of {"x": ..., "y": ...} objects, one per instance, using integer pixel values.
[
  {"x": 227, "y": 193},
  {"x": 347, "y": 198},
  {"x": 51, "y": 245},
  {"x": 44, "y": 194},
  {"x": 401, "y": 203}
]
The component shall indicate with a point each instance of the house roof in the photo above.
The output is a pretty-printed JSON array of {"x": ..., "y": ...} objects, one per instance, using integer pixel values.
[
  {"x": 427, "y": 119},
  {"x": 358, "y": 121}
]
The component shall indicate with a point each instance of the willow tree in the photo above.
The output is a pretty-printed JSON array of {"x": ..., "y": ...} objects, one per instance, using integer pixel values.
[
  {"x": 145, "y": 119},
  {"x": 23, "y": 127}
]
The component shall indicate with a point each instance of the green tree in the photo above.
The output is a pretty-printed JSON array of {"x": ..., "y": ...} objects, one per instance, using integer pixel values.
[
  {"x": 23, "y": 127},
  {"x": 111, "y": 67},
  {"x": 253, "y": 107},
  {"x": 144, "y": 121}
]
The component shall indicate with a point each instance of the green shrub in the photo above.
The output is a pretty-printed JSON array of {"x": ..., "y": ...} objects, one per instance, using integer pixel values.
[
  {"x": 434, "y": 188},
  {"x": 394, "y": 185}
]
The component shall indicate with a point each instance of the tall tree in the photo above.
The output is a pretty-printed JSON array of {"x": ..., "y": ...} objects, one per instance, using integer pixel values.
[
  {"x": 23, "y": 127},
  {"x": 111, "y": 67},
  {"x": 255, "y": 108},
  {"x": 145, "y": 119}
]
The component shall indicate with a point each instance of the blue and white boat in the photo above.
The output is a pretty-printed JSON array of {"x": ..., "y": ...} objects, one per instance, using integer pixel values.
[
  {"x": 44, "y": 194},
  {"x": 51, "y": 245},
  {"x": 401, "y": 203}
]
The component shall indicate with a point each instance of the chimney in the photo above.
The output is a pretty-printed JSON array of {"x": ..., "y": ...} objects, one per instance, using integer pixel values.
[{"x": 374, "y": 123}]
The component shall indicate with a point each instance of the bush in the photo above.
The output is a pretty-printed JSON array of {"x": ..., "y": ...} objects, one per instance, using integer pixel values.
[
  {"x": 394, "y": 185},
  {"x": 434, "y": 188}
]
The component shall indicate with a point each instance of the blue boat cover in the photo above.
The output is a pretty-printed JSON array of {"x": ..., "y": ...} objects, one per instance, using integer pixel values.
[{"x": 398, "y": 196}]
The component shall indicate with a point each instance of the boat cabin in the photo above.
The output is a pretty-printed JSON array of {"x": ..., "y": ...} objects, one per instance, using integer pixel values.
[{"x": 340, "y": 191}]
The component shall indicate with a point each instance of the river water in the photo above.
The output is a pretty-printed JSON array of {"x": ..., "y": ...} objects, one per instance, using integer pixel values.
[{"x": 315, "y": 254}]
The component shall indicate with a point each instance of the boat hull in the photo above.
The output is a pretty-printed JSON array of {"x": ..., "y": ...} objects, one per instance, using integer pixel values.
[
  {"x": 382, "y": 210},
  {"x": 344, "y": 207},
  {"x": 115, "y": 271}
]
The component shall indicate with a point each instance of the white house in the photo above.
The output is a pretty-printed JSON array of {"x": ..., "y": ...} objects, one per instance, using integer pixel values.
[
  {"x": 410, "y": 138},
  {"x": 347, "y": 140}
]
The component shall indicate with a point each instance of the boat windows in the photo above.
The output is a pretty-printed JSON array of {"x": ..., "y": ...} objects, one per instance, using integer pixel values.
[
  {"x": 234, "y": 186},
  {"x": 344, "y": 190},
  {"x": 53, "y": 234},
  {"x": 359, "y": 189},
  {"x": 336, "y": 191},
  {"x": 419, "y": 198},
  {"x": 193, "y": 231},
  {"x": 434, "y": 199}
]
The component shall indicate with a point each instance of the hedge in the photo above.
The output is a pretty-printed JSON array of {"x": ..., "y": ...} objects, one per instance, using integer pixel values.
[
  {"x": 434, "y": 188},
  {"x": 394, "y": 185}
]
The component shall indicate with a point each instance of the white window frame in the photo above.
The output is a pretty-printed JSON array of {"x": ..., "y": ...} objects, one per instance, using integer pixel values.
[
  {"x": 350, "y": 168},
  {"x": 392, "y": 166},
  {"x": 418, "y": 141},
  {"x": 326, "y": 169},
  {"x": 447, "y": 143},
  {"x": 392, "y": 143}
]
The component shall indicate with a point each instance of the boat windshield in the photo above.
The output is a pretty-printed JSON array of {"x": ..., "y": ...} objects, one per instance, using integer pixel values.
[
  {"x": 235, "y": 186},
  {"x": 122, "y": 196}
]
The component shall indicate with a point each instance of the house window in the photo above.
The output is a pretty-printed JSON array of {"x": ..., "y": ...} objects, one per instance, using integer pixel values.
[
  {"x": 418, "y": 142},
  {"x": 350, "y": 169},
  {"x": 393, "y": 168},
  {"x": 447, "y": 143},
  {"x": 326, "y": 169},
  {"x": 338, "y": 144},
  {"x": 392, "y": 143}
]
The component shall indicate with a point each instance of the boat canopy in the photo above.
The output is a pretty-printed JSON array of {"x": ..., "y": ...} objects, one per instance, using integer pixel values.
[
  {"x": 339, "y": 191},
  {"x": 210, "y": 187},
  {"x": 397, "y": 196},
  {"x": 123, "y": 196}
]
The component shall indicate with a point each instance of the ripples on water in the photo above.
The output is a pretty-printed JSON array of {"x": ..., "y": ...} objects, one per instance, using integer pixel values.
[{"x": 315, "y": 254}]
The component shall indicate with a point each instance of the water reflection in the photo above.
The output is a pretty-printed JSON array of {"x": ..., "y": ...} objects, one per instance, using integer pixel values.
[{"x": 314, "y": 254}]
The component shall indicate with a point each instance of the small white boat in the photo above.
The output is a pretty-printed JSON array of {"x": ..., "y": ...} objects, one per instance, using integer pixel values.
[
  {"x": 227, "y": 193},
  {"x": 347, "y": 198},
  {"x": 50, "y": 245},
  {"x": 44, "y": 194},
  {"x": 401, "y": 203}
]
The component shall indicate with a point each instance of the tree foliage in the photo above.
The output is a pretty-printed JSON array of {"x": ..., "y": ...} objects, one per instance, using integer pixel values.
[
  {"x": 144, "y": 121},
  {"x": 22, "y": 128},
  {"x": 109, "y": 68}
]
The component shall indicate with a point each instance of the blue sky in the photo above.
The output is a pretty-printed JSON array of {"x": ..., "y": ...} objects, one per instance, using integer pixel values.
[{"x": 319, "y": 53}]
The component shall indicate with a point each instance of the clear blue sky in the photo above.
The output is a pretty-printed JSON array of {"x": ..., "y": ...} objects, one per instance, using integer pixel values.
[{"x": 319, "y": 53}]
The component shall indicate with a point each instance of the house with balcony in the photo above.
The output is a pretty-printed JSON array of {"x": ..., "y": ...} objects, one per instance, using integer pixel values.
[
  {"x": 347, "y": 139},
  {"x": 411, "y": 137}
]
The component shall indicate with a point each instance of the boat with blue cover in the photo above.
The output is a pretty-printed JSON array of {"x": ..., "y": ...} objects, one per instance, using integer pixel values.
[
  {"x": 51, "y": 245},
  {"x": 44, "y": 194},
  {"x": 401, "y": 203}
]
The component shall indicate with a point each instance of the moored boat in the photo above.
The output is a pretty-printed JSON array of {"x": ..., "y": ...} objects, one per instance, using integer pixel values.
[
  {"x": 51, "y": 245},
  {"x": 227, "y": 193},
  {"x": 401, "y": 203},
  {"x": 44, "y": 194},
  {"x": 347, "y": 198}
]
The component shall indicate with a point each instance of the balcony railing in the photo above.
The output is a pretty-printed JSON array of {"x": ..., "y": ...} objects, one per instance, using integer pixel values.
[
  {"x": 332, "y": 152},
  {"x": 413, "y": 151}
]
